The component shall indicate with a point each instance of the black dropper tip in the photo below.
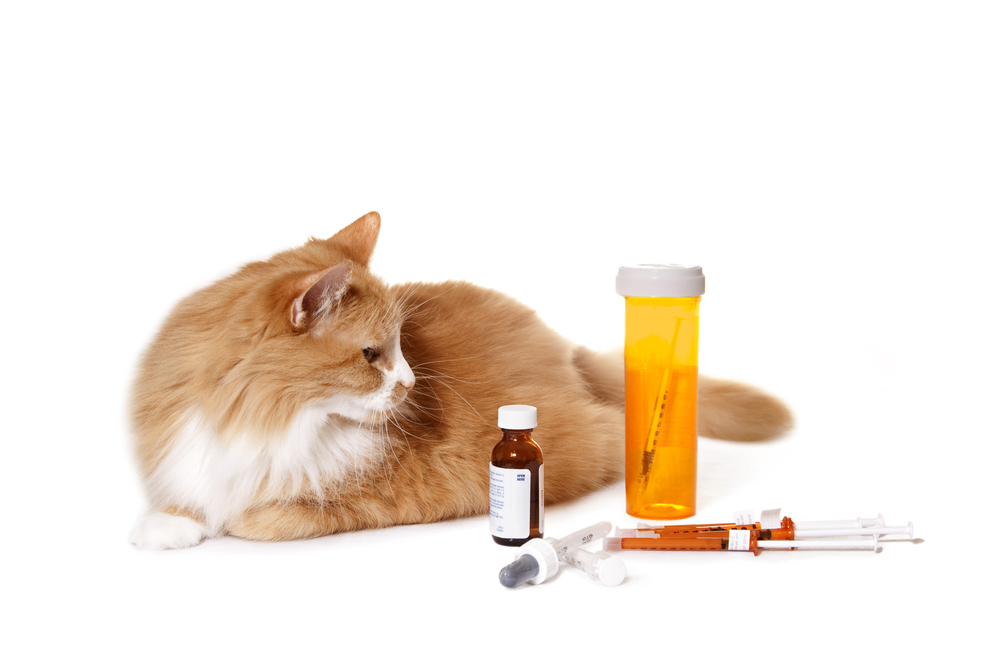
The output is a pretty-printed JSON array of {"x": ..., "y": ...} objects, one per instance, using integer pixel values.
[{"x": 519, "y": 571}]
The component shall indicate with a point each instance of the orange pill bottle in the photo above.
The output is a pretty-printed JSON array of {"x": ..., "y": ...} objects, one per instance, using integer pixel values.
[{"x": 661, "y": 388}]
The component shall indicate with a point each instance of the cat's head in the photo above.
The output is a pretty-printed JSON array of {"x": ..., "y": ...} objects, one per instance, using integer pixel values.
[{"x": 311, "y": 327}]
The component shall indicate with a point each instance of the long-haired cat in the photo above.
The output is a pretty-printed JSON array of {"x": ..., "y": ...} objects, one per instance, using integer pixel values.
[{"x": 302, "y": 396}]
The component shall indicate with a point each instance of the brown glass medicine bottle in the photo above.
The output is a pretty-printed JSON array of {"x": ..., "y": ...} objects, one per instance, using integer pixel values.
[{"x": 517, "y": 494}]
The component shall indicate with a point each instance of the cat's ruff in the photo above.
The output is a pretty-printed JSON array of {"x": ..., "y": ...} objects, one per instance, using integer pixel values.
[{"x": 220, "y": 476}]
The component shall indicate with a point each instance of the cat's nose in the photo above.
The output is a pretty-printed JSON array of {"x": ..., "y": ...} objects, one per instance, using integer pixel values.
[{"x": 406, "y": 378}]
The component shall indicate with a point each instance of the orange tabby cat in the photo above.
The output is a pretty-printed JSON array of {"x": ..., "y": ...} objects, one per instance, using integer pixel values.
[{"x": 302, "y": 396}]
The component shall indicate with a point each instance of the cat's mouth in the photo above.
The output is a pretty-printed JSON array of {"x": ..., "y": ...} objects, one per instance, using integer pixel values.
[{"x": 374, "y": 409}]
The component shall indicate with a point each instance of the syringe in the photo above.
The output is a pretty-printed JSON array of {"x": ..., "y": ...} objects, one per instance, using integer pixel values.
[
  {"x": 733, "y": 540},
  {"x": 788, "y": 530},
  {"x": 537, "y": 560},
  {"x": 772, "y": 526}
]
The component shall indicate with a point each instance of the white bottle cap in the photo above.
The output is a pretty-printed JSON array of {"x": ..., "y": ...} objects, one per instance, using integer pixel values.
[
  {"x": 517, "y": 417},
  {"x": 660, "y": 281}
]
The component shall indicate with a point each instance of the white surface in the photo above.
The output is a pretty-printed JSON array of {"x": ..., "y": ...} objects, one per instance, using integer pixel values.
[{"x": 834, "y": 170}]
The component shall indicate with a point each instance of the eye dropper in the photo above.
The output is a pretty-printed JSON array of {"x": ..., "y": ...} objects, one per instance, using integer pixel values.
[{"x": 537, "y": 560}]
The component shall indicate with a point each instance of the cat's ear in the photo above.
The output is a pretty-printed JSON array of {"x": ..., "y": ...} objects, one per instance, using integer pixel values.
[
  {"x": 358, "y": 239},
  {"x": 319, "y": 294}
]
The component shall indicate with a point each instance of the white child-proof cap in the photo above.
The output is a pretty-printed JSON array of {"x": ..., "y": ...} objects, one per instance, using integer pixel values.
[
  {"x": 660, "y": 281},
  {"x": 517, "y": 417}
]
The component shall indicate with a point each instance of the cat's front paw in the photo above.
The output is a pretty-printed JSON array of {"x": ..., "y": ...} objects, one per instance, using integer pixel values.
[{"x": 159, "y": 531}]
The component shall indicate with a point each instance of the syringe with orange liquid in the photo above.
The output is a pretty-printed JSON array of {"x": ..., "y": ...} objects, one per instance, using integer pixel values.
[
  {"x": 734, "y": 540},
  {"x": 748, "y": 535},
  {"x": 773, "y": 526}
]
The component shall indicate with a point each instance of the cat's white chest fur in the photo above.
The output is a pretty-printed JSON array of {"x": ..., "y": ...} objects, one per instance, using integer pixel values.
[{"x": 219, "y": 477}]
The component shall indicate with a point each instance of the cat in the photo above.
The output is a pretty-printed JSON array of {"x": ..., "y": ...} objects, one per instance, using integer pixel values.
[{"x": 302, "y": 396}]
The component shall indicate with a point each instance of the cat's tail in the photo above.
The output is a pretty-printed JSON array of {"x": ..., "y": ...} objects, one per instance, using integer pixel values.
[{"x": 727, "y": 410}]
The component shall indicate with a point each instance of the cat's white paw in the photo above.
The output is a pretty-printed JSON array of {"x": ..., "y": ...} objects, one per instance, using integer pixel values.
[{"x": 159, "y": 531}]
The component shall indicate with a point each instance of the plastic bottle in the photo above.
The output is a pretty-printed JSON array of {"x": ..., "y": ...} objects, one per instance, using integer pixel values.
[
  {"x": 517, "y": 495},
  {"x": 661, "y": 388}
]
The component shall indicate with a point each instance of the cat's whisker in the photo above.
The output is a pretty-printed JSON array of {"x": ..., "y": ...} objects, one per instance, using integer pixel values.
[
  {"x": 410, "y": 290},
  {"x": 405, "y": 466},
  {"x": 429, "y": 411},
  {"x": 393, "y": 414},
  {"x": 406, "y": 320},
  {"x": 414, "y": 308},
  {"x": 387, "y": 470},
  {"x": 425, "y": 409},
  {"x": 478, "y": 414},
  {"x": 419, "y": 391},
  {"x": 441, "y": 377},
  {"x": 427, "y": 363},
  {"x": 392, "y": 448}
]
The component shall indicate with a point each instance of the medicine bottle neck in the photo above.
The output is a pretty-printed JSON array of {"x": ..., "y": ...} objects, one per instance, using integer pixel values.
[{"x": 516, "y": 434}]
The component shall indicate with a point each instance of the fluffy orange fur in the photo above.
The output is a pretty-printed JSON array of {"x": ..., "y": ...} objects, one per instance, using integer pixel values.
[{"x": 250, "y": 352}]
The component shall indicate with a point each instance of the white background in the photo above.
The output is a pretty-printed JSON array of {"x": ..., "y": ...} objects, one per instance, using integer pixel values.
[{"x": 834, "y": 170}]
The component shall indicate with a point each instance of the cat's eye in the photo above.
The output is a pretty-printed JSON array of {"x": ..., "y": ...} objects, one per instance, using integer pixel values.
[{"x": 370, "y": 354}]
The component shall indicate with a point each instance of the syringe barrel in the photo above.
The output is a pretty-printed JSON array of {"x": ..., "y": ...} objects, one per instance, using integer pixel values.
[
  {"x": 843, "y": 532},
  {"x": 686, "y": 529},
  {"x": 580, "y": 537},
  {"x": 821, "y": 544},
  {"x": 840, "y": 523},
  {"x": 668, "y": 543}
]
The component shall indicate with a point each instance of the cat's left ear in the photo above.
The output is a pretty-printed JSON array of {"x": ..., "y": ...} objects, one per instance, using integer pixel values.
[
  {"x": 358, "y": 239},
  {"x": 319, "y": 295}
]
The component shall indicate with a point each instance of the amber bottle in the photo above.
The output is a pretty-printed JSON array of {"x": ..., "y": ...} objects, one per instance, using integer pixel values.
[{"x": 517, "y": 494}]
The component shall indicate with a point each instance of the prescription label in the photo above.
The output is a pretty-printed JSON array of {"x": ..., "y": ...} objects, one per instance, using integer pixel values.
[
  {"x": 510, "y": 502},
  {"x": 739, "y": 540}
]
